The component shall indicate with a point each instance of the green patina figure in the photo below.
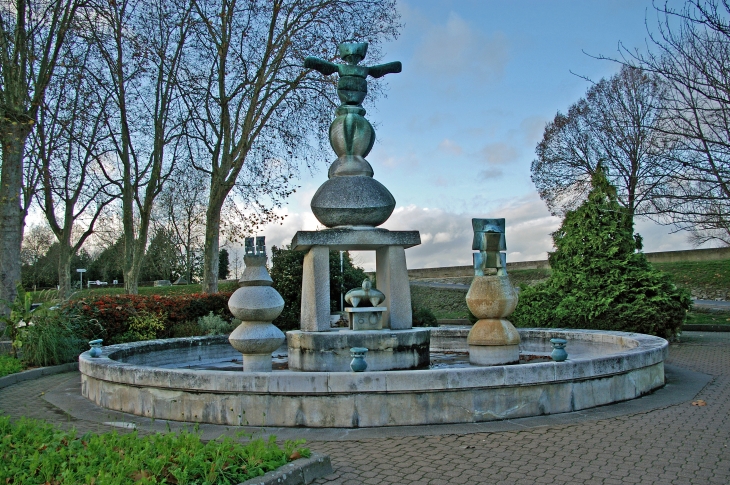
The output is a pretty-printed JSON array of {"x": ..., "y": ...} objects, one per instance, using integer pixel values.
[{"x": 352, "y": 86}]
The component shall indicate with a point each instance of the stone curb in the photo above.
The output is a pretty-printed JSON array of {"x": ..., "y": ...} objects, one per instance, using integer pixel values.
[
  {"x": 28, "y": 375},
  {"x": 298, "y": 472},
  {"x": 706, "y": 328}
]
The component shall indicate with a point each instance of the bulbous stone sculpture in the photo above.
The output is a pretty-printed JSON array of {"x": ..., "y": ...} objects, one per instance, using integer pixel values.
[
  {"x": 367, "y": 292},
  {"x": 493, "y": 340},
  {"x": 256, "y": 303},
  {"x": 351, "y": 196}
]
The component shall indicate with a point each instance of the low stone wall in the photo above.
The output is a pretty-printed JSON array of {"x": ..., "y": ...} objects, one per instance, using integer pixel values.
[
  {"x": 448, "y": 273},
  {"x": 712, "y": 254}
]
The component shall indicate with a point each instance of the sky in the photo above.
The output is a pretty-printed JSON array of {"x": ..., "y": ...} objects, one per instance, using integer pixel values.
[{"x": 457, "y": 130}]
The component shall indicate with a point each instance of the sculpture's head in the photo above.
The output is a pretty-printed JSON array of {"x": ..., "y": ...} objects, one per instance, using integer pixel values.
[
  {"x": 366, "y": 285},
  {"x": 353, "y": 52}
]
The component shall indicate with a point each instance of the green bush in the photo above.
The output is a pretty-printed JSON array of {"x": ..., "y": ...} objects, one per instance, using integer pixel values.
[
  {"x": 143, "y": 326},
  {"x": 213, "y": 324},
  {"x": 423, "y": 317},
  {"x": 186, "y": 329},
  {"x": 598, "y": 281},
  {"x": 9, "y": 365},
  {"x": 36, "y": 452}
]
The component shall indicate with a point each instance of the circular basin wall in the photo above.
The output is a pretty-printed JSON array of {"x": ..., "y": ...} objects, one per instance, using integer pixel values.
[{"x": 602, "y": 368}]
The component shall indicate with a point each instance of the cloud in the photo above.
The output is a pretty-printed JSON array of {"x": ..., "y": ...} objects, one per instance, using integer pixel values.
[
  {"x": 498, "y": 153},
  {"x": 440, "y": 181},
  {"x": 455, "y": 50},
  {"x": 532, "y": 129},
  {"x": 446, "y": 236},
  {"x": 490, "y": 174},
  {"x": 449, "y": 147}
]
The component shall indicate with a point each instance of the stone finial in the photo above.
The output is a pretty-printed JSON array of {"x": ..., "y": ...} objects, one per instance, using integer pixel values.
[
  {"x": 489, "y": 240},
  {"x": 367, "y": 292},
  {"x": 352, "y": 86}
]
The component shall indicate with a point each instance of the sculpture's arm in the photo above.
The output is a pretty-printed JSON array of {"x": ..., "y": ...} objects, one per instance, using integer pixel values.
[
  {"x": 382, "y": 69},
  {"x": 325, "y": 67}
]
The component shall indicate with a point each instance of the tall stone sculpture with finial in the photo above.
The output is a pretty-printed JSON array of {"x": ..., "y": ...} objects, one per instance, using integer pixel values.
[
  {"x": 256, "y": 303},
  {"x": 351, "y": 196},
  {"x": 493, "y": 340},
  {"x": 351, "y": 204}
]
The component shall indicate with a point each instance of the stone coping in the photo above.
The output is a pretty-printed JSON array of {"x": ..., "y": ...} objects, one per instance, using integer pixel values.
[
  {"x": 637, "y": 351},
  {"x": 298, "y": 472},
  {"x": 30, "y": 374},
  {"x": 354, "y": 239}
]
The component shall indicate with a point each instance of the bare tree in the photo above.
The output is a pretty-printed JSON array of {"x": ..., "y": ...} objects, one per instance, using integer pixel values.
[
  {"x": 620, "y": 124},
  {"x": 256, "y": 111},
  {"x": 181, "y": 209},
  {"x": 692, "y": 54},
  {"x": 67, "y": 149},
  {"x": 140, "y": 46},
  {"x": 32, "y": 36}
]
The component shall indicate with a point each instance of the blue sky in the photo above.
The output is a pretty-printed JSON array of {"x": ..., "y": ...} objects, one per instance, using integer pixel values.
[{"x": 457, "y": 131}]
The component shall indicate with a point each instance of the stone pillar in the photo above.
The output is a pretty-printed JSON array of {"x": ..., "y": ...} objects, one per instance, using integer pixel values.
[
  {"x": 315, "y": 316},
  {"x": 392, "y": 279}
]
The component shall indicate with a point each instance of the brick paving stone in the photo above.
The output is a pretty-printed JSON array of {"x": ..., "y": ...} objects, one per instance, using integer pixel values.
[{"x": 655, "y": 447}]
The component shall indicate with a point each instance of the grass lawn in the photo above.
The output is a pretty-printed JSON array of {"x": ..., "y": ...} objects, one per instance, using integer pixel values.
[
  {"x": 52, "y": 295},
  {"x": 699, "y": 274},
  {"x": 708, "y": 318}
]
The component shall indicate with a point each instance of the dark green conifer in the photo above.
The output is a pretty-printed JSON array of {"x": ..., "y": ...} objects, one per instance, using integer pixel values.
[{"x": 598, "y": 279}]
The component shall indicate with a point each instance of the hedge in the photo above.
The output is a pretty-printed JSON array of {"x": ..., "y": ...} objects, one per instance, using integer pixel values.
[{"x": 113, "y": 312}]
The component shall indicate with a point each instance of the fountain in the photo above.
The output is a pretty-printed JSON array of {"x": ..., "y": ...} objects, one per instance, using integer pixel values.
[{"x": 181, "y": 379}]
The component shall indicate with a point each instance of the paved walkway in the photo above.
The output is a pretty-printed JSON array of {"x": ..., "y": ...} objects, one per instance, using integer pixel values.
[{"x": 659, "y": 439}]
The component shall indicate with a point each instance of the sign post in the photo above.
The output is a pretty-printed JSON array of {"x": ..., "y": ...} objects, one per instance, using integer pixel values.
[{"x": 81, "y": 272}]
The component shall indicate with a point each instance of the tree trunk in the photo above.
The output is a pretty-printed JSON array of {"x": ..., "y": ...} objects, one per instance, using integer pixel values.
[
  {"x": 12, "y": 216},
  {"x": 212, "y": 238},
  {"x": 64, "y": 271}
]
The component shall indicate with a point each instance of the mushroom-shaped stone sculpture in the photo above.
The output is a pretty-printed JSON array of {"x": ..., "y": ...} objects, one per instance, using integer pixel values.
[{"x": 367, "y": 292}]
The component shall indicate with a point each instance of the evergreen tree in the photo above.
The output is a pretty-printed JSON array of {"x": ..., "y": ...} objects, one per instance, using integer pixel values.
[
  {"x": 109, "y": 264},
  {"x": 223, "y": 264},
  {"x": 598, "y": 279}
]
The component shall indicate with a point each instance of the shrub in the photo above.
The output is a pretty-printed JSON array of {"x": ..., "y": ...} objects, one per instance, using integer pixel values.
[
  {"x": 598, "y": 281},
  {"x": 37, "y": 452},
  {"x": 143, "y": 326},
  {"x": 212, "y": 324},
  {"x": 186, "y": 329},
  {"x": 424, "y": 317},
  {"x": 113, "y": 312},
  {"x": 9, "y": 365}
]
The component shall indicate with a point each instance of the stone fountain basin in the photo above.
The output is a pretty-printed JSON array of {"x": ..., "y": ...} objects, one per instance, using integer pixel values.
[{"x": 603, "y": 367}]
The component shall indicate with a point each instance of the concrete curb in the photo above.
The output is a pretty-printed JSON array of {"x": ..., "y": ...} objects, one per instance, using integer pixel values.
[
  {"x": 706, "y": 328},
  {"x": 28, "y": 375},
  {"x": 298, "y": 472}
]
